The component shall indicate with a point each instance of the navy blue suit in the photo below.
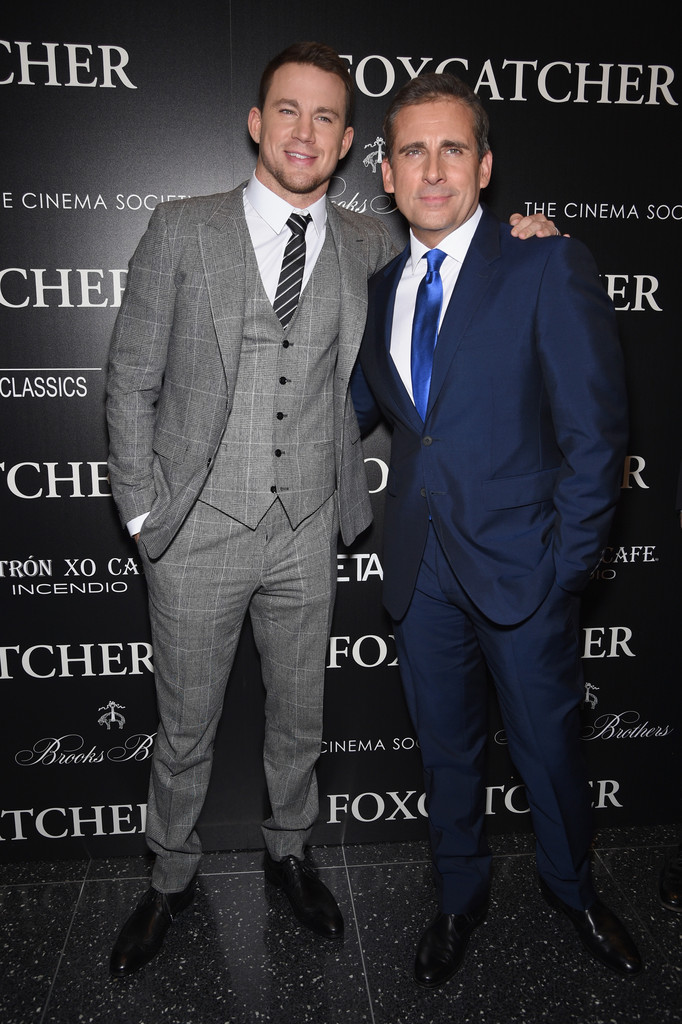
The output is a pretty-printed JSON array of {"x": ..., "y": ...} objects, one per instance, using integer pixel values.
[{"x": 497, "y": 509}]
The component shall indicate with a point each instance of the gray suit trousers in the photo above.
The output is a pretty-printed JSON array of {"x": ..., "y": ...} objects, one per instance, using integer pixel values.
[{"x": 213, "y": 573}]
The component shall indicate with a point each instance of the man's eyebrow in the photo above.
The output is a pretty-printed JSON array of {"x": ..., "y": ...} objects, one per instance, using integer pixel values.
[
  {"x": 294, "y": 103},
  {"x": 445, "y": 144},
  {"x": 284, "y": 101}
]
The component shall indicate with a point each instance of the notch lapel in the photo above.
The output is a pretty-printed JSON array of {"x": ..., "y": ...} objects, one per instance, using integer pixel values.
[
  {"x": 394, "y": 392},
  {"x": 222, "y": 242},
  {"x": 478, "y": 270}
]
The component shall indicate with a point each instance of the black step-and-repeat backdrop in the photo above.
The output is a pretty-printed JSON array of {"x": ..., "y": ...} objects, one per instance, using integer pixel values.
[{"x": 111, "y": 108}]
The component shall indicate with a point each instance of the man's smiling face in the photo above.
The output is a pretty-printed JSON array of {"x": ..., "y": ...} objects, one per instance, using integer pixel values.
[{"x": 300, "y": 132}]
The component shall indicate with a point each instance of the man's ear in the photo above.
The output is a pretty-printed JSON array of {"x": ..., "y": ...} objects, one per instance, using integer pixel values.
[
  {"x": 387, "y": 175},
  {"x": 254, "y": 123},
  {"x": 346, "y": 142},
  {"x": 485, "y": 170}
]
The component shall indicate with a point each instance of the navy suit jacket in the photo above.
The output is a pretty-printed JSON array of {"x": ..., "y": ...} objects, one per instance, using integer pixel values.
[{"x": 520, "y": 458}]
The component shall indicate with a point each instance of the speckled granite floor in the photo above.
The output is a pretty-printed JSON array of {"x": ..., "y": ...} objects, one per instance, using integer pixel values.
[{"x": 237, "y": 957}]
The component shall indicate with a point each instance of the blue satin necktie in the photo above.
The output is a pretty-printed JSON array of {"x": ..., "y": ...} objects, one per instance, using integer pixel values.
[{"x": 425, "y": 328}]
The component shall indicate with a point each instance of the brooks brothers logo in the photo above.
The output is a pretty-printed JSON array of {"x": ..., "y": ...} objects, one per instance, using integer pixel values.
[
  {"x": 111, "y": 715},
  {"x": 376, "y": 155},
  {"x": 611, "y": 725},
  {"x": 591, "y": 700},
  {"x": 71, "y": 749},
  {"x": 624, "y": 725},
  {"x": 341, "y": 193}
]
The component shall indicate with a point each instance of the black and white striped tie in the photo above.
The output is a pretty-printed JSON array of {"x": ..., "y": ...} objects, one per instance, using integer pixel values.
[{"x": 291, "y": 274}]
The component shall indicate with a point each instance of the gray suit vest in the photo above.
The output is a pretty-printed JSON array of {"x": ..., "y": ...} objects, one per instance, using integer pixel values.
[{"x": 279, "y": 439}]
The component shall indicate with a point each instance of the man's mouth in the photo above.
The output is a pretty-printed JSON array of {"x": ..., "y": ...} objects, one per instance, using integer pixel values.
[{"x": 294, "y": 155}]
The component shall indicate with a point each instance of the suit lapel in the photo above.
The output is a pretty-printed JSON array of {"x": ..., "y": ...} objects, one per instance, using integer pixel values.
[
  {"x": 222, "y": 241},
  {"x": 351, "y": 249},
  {"x": 384, "y": 287},
  {"x": 479, "y": 268}
]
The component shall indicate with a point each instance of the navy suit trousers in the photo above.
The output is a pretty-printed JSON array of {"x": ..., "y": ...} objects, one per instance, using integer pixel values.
[{"x": 445, "y": 645}]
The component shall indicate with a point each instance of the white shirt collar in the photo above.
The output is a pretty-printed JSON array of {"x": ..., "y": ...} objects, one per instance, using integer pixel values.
[
  {"x": 275, "y": 211},
  {"x": 455, "y": 244}
]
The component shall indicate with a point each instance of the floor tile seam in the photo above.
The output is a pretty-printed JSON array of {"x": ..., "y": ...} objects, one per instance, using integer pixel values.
[
  {"x": 636, "y": 846},
  {"x": 115, "y": 878},
  {"x": 38, "y": 884},
  {"x": 385, "y": 863},
  {"x": 259, "y": 870},
  {"x": 62, "y": 952},
  {"x": 635, "y": 913},
  {"x": 359, "y": 938}
]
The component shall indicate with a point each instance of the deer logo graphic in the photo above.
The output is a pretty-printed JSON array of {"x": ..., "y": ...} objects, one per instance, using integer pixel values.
[
  {"x": 111, "y": 715},
  {"x": 374, "y": 158},
  {"x": 590, "y": 699}
]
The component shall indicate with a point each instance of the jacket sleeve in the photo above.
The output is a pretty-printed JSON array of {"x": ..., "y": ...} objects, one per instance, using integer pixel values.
[
  {"x": 137, "y": 361},
  {"x": 382, "y": 250},
  {"x": 582, "y": 364},
  {"x": 366, "y": 408}
]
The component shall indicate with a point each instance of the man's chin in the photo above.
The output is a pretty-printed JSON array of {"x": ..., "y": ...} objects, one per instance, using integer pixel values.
[{"x": 301, "y": 185}]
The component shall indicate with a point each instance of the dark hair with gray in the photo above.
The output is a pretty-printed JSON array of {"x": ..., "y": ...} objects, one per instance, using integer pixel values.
[
  {"x": 429, "y": 87},
  {"x": 320, "y": 56}
]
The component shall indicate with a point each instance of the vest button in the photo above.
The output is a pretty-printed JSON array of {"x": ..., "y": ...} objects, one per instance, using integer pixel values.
[
  {"x": 423, "y": 492},
  {"x": 426, "y": 441},
  {"x": 278, "y": 452},
  {"x": 285, "y": 343},
  {"x": 280, "y": 415},
  {"x": 282, "y": 380}
]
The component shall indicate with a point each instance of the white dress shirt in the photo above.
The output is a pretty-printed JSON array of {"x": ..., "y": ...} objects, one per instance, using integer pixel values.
[
  {"x": 266, "y": 218},
  {"x": 455, "y": 246}
]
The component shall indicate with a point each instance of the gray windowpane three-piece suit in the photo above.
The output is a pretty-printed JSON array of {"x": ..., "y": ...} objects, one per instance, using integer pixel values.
[{"x": 240, "y": 441}]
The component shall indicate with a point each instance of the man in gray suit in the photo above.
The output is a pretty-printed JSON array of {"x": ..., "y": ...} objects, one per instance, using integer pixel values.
[{"x": 235, "y": 460}]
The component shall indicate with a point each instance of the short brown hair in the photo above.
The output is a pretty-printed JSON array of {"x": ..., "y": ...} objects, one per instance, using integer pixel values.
[
  {"x": 320, "y": 56},
  {"x": 432, "y": 86}
]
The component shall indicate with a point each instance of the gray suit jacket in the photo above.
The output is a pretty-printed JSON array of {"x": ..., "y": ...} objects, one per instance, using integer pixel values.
[{"x": 175, "y": 354}]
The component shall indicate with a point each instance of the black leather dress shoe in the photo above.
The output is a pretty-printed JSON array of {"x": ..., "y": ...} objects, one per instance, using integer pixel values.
[
  {"x": 670, "y": 883},
  {"x": 141, "y": 937},
  {"x": 310, "y": 899},
  {"x": 441, "y": 949},
  {"x": 601, "y": 933}
]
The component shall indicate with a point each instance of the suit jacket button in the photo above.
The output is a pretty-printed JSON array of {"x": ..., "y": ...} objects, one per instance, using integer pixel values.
[
  {"x": 278, "y": 452},
  {"x": 427, "y": 441},
  {"x": 423, "y": 492},
  {"x": 208, "y": 462},
  {"x": 273, "y": 489}
]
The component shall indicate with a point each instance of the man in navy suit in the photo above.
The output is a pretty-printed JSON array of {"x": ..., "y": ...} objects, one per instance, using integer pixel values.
[{"x": 498, "y": 367}]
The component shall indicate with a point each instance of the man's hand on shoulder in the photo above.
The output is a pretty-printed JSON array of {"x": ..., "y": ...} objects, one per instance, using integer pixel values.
[{"x": 536, "y": 224}]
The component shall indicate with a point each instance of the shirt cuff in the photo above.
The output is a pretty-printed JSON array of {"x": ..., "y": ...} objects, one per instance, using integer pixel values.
[{"x": 135, "y": 525}]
